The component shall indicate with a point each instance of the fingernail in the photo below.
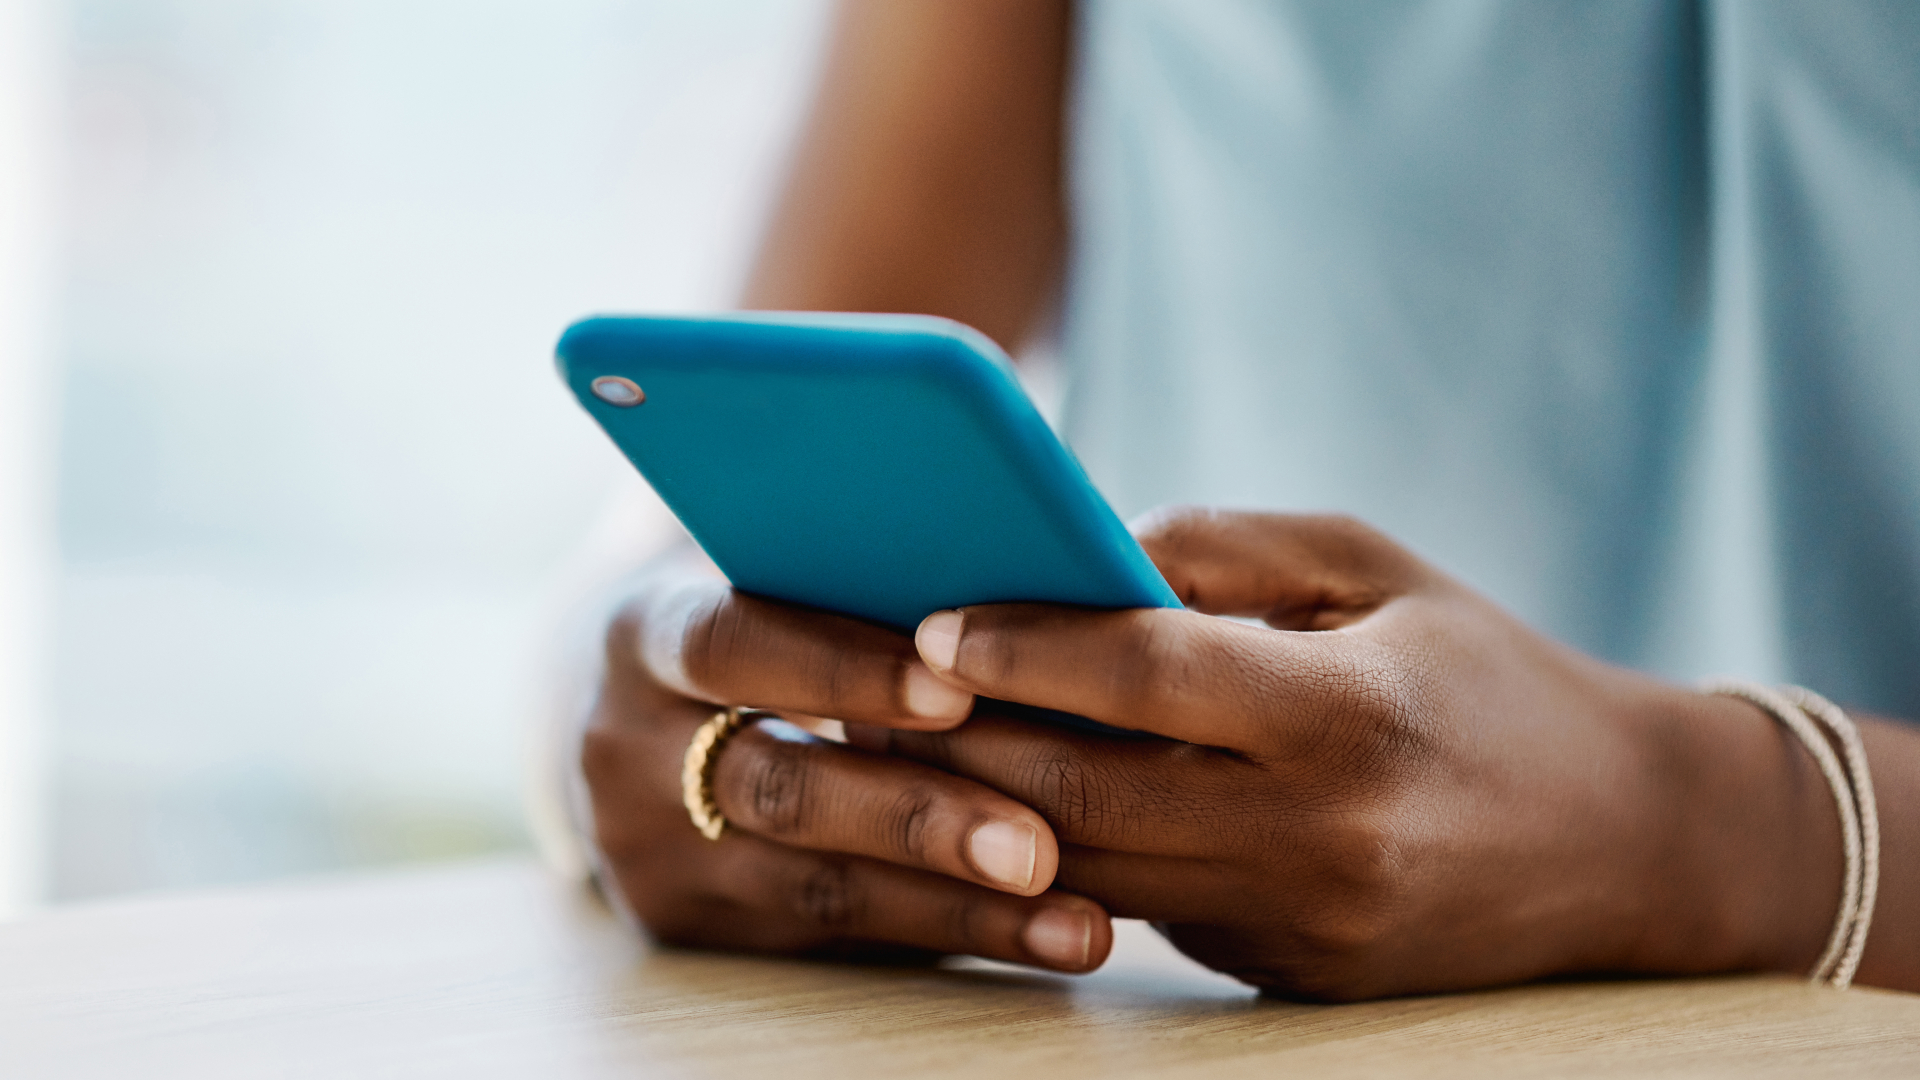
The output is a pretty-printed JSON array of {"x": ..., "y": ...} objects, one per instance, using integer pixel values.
[
  {"x": 1004, "y": 851},
  {"x": 939, "y": 639},
  {"x": 929, "y": 697},
  {"x": 1061, "y": 938}
]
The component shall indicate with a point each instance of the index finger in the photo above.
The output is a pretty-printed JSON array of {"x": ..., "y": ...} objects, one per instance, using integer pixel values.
[
  {"x": 710, "y": 642},
  {"x": 1176, "y": 673},
  {"x": 1143, "y": 796}
]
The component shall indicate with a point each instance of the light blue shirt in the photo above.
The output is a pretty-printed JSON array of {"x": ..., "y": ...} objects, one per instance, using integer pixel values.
[{"x": 1610, "y": 309}]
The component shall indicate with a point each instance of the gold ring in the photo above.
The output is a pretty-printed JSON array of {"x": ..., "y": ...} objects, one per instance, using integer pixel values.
[{"x": 696, "y": 772}]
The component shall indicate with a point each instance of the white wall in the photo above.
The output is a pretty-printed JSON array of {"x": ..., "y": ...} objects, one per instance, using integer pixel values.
[
  {"x": 25, "y": 488},
  {"x": 316, "y": 471}
]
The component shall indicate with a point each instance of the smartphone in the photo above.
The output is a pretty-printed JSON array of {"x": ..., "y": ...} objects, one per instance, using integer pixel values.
[{"x": 879, "y": 466}]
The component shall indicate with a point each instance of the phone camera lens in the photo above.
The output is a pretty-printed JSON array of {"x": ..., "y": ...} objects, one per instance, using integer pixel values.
[{"x": 615, "y": 390}]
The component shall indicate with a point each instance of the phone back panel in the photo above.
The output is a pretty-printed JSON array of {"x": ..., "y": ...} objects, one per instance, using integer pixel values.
[{"x": 883, "y": 466}]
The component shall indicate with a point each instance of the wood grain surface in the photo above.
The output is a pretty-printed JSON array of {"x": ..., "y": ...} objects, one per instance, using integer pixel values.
[{"x": 497, "y": 970}]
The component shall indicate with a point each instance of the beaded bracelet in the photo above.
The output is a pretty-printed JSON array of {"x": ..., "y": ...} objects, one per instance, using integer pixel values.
[{"x": 1820, "y": 725}]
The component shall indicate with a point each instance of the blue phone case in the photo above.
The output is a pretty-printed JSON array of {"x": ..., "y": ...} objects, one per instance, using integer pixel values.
[{"x": 881, "y": 466}]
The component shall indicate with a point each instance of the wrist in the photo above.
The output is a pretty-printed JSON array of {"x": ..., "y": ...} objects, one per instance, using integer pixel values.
[{"x": 1744, "y": 872}]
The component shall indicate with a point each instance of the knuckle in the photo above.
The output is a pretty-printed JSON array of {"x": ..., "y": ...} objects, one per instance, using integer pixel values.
[
  {"x": 1364, "y": 885},
  {"x": 1337, "y": 938},
  {"x": 1160, "y": 670},
  {"x": 1071, "y": 792},
  {"x": 1089, "y": 798},
  {"x": 1371, "y": 723},
  {"x": 1354, "y": 914},
  {"x": 841, "y": 675},
  {"x": 778, "y": 779},
  {"x": 1365, "y": 553},
  {"x": 906, "y": 823},
  {"x": 1394, "y": 732}
]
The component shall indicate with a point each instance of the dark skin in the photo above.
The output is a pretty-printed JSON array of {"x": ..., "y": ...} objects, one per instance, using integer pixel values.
[{"x": 1390, "y": 787}]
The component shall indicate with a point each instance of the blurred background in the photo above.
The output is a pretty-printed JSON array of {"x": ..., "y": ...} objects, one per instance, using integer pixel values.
[{"x": 288, "y": 489}]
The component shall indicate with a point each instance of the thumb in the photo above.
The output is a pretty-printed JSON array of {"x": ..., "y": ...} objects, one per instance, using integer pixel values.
[{"x": 1296, "y": 572}]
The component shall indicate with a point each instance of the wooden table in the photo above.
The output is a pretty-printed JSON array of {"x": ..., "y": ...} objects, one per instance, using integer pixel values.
[{"x": 496, "y": 970}]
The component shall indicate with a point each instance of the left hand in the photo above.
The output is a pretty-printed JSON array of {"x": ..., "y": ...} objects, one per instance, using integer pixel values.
[{"x": 1394, "y": 786}]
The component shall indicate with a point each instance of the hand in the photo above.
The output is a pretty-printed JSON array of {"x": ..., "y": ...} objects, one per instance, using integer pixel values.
[
  {"x": 1396, "y": 788},
  {"x": 831, "y": 849}
]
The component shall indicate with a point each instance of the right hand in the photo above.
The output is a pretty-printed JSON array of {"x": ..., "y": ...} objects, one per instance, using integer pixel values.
[{"x": 830, "y": 849}]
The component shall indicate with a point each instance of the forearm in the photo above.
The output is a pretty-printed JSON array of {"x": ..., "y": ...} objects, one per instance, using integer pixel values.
[
  {"x": 1892, "y": 958},
  {"x": 1750, "y": 875},
  {"x": 928, "y": 177}
]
